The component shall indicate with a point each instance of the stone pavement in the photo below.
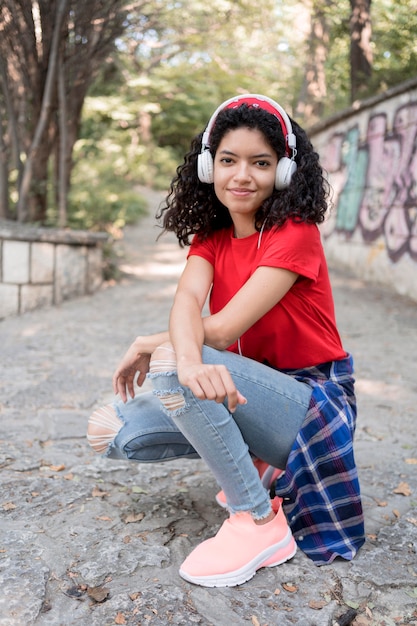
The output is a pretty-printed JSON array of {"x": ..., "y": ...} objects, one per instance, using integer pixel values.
[{"x": 90, "y": 542}]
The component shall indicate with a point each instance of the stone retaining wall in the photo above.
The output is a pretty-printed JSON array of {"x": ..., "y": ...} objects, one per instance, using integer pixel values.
[
  {"x": 41, "y": 267},
  {"x": 370, "y": 154}
]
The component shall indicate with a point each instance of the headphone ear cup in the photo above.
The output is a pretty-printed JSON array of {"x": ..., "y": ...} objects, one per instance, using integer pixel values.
[
  {"x": 205, "y": 167},
  {"x": 285, "y": 170}
]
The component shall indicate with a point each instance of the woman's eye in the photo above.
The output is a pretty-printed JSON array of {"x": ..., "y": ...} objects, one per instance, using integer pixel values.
[
  {"x": 226, "y": 160},
  {"x": 263, "y": 163}
]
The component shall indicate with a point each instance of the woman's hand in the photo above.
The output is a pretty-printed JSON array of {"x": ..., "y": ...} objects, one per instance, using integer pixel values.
[
  {"x": 136, "y": 362},
  {"x": 210, "y": 382},
  {"x": 133, "y": 363}
]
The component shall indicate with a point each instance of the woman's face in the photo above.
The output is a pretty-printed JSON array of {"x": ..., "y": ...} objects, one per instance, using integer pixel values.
[{"x": 244, "y": 172}]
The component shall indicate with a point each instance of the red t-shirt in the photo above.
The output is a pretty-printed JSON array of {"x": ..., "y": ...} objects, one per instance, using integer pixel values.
[{"x": 300, "y": 330}]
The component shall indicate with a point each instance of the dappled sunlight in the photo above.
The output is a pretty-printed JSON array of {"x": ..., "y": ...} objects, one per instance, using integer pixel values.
[
  {"x": 153, "y": 269},
  {"x": 379, "y": 389}
]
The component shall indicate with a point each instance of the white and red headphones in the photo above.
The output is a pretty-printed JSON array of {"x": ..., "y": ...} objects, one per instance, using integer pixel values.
[{"x": 286, "y": 165}]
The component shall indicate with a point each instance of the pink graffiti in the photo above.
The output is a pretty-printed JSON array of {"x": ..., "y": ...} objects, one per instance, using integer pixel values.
[
  {"x": 334, "y": 166},
  {"x": 388, "y": 206},
  {"x": 383, "y": 159}
]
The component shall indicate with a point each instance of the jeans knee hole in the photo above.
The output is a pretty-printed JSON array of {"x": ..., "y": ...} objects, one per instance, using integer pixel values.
[{"x": 173, "y": 402}]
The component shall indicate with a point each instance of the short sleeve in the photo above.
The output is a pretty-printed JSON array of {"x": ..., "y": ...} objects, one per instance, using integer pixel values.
[
  {"x": 296, "y": 246},
  {"x": 205, "y": 248}
]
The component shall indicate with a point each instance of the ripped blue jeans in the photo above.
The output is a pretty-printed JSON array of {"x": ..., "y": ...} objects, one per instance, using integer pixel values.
[{"x": 265, "y": 427}]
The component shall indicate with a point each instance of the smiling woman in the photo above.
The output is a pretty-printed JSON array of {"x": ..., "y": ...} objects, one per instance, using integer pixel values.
[{"x": 261, "y": 388}]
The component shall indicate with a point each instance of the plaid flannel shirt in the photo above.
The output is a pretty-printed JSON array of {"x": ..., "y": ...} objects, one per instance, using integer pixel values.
[{"x": 320, "y": 486}]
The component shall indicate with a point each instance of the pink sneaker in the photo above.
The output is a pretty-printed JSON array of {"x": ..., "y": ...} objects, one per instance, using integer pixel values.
[
  {"x": 267, "y": 473},
  {"x": 239, "y": 549}
]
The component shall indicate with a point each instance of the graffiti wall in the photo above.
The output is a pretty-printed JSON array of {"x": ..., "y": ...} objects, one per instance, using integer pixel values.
[{"x": 370, "y": 155}]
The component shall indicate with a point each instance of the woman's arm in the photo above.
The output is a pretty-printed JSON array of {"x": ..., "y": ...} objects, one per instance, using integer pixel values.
[{"x": 187, "y": 333}]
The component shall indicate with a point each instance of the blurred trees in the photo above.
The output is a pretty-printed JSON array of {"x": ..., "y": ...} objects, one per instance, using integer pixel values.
[
  {"x": 107, "y": 93},
  {"x": 51, "y": 51}
]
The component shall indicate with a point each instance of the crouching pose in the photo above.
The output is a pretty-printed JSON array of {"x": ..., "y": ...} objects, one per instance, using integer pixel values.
[{"x": 261, "y": 388}]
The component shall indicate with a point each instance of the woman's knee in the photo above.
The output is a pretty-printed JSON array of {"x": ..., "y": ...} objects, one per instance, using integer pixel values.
[{"x": 103, "y": 426}]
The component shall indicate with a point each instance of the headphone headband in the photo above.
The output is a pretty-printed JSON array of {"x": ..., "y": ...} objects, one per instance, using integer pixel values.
[{"x": 263, "y": 102}]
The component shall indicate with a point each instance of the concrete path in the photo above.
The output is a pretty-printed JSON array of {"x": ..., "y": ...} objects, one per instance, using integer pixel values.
[{"x": 90, "y": 542}]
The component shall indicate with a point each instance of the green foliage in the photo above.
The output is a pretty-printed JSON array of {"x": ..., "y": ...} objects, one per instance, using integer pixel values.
[
  {"x": 101, "y": 200},
  {"x": 337, "y": 63},
  {"x": 394, "y": 42},
  {"x": 102, "y": 195}
]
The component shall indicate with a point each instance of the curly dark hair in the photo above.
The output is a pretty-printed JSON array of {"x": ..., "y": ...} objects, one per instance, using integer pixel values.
[{"x": 192, "y": 206}]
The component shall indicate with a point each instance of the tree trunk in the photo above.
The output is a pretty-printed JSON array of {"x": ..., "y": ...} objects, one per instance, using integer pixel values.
[
  {"x": 313, "y": 91},
  {"x": 14, "y": 143},
  {"x": 4, "y": 174},
  {"x": 62, "y": 169},
  {"x": 361, "y": 57},
  {"x": 23, "y": 210}
]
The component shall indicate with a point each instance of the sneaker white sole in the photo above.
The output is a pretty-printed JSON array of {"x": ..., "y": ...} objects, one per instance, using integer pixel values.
[{"x": 272, "y": 556}]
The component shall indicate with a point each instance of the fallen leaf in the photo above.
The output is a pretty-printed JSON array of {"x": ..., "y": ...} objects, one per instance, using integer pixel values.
[
  {"x": 412, "y": 520},
  {"x": 413, "y": 593},
  {"x": 317, "y": 604},
  {"x": 255, "y": 621},
  {"x": 138, "y": 490},
  {"x": 56, "y": 468},
  {"x": 135, "y": 595},
  {"x": 104, "y": 518},
  {"x": 290, "y": 587},
  {"x": 351, "y": 604},
  {"x": 381, "y": 502},
  {"x": 98, "y": 493},
  {"x": 403, "y": 489},
  {"x": 98, "y": 594},
  {"x": 120, "y": 619},
  {"x": 8, "y": 506},
  {"x": 133, "y": 517},
  {"x": 411, "y": 461},
  {"x": 396, "y": 513},
  {"x": 35, "y": 494},
  {"x": 69, "y": 476},
  {"x": 277, "y": 592}
]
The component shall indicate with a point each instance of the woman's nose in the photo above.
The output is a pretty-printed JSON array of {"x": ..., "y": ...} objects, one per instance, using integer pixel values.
[{"x": 242, "y": 171}]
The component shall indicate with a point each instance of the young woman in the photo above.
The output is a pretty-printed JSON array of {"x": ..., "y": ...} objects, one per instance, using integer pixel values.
[{"x": 261, "y": 388}]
